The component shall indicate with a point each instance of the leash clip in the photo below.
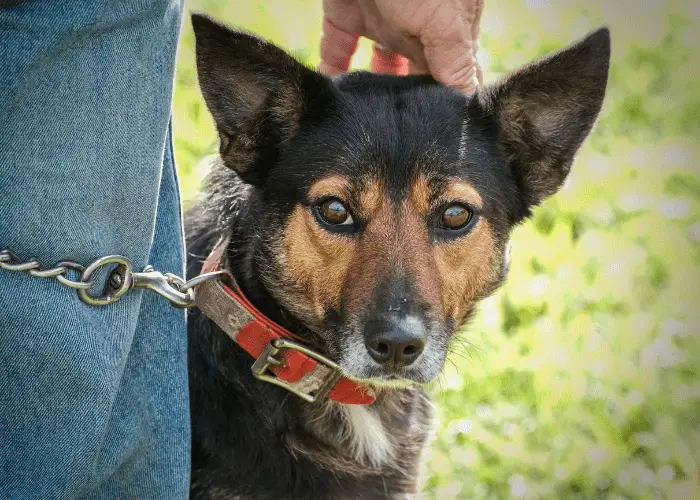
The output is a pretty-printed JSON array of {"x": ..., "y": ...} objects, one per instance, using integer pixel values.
[
  {"x": 166, "y": 285},
  {"x": 123, "y": 278},
  {"x": 269, "y": 358}
]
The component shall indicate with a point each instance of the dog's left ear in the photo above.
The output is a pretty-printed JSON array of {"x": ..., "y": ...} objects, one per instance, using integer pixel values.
[
  {"x": 546, "y": 110},
  {"x": 256, "y": 92}
]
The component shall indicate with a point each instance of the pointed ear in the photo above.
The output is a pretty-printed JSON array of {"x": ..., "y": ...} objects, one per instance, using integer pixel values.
[
  {"x": 255, "y": 91},
  {"x": 546, "y": 110}
]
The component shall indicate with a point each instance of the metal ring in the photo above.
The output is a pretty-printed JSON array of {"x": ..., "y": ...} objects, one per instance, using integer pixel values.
[
  {"x": 174, "y": 280},
  {"x": 22, "y": 266},
  {"x": 198, "y": 280},
  {"x": 178, "y": 283},
  {"x": 181, "y": 285},
  {"x": 124, "y": 265}
]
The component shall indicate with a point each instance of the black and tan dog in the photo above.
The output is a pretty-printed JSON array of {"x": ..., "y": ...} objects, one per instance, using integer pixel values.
[{"x": 367, "y": 214}]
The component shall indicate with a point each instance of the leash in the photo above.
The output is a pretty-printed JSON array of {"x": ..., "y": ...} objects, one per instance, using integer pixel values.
[
  {"x": 281, "y": 358},
  {"x": 122, "y": 279}
]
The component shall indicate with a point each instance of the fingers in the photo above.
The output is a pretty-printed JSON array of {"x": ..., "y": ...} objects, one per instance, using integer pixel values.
[
  {"x": 451, "y": 54},
  {"x": 337, "y": 49},
  {"x": 454, "y": 67},
  {"x": 440, "y": 41},
  {"x": 415, "y": 68},
  {"x": 386, "y": 61}
]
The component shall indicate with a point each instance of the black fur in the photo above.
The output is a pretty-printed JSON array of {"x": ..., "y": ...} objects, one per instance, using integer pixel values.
[{"x": 283, "y": 127}]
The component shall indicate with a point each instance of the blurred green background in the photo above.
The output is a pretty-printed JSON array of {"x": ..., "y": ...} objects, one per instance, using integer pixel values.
[{"x": 580, "y": 378}]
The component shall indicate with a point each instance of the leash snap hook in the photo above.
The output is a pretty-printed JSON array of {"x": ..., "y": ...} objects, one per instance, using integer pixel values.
[
  {"x": 123, "y": 278},
  {"x": 166, "y": 285}
]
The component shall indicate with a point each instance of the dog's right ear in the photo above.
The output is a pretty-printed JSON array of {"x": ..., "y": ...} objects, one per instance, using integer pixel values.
[{"x": 256, "y": 92}]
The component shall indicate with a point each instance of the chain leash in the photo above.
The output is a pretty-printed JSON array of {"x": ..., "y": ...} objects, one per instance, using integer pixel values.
[{"x": 122, "y": 279}]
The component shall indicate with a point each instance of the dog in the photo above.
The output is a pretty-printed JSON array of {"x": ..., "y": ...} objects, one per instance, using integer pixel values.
[{"x": 363, "y": 216}]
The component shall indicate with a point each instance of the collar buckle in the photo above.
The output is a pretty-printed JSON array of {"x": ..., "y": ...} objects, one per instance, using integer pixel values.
[{"x": 269, "y": 357}]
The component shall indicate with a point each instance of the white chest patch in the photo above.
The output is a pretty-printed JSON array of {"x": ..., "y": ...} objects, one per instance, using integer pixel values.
[{"x": 366, "y": 436}]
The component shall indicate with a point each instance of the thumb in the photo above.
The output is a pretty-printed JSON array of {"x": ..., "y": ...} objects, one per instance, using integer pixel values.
[
  {"x": 451, "y": 60},
  {"x": 449, "y": 47}
]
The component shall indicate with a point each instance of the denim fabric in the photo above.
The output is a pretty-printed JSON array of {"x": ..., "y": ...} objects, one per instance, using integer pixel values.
[{"x": 93, "y": 400}]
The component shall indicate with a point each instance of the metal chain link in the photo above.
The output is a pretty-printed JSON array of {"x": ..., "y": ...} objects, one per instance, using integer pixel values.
[{"x": 122, "y": 279}]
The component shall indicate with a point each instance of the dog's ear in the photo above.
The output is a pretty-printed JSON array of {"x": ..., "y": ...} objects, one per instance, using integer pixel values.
[
  {"x": 546, "y": 110},
  {"x": 256, "y": 92}
]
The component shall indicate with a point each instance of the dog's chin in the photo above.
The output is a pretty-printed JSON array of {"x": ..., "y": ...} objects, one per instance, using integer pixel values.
[
  {"x": 401, "y": 378},
  {"x": 391, "y": 382}
]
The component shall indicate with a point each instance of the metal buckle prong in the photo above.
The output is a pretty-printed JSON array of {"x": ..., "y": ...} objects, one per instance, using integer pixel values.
[{"x": 268, "y": 357}]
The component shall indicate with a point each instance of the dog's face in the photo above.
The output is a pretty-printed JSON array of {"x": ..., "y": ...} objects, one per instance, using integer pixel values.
[{"x": 383, "y": 204}]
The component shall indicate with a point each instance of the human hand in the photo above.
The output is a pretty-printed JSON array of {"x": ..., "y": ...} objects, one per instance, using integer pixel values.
[{"x": 438, "y": 37}]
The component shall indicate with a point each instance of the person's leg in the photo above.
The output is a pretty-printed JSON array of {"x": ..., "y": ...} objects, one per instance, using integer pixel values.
[{"x": 93, "y": 400}]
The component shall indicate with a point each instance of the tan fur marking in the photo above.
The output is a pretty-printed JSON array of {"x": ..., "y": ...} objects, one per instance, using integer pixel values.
[
  {"x": 370, "y": 198},
  {"x": 418, "y": 258},
  {"x": 394, "y": 240},
  {"x": 374, "y": 251},
  {"x": 334, "y": 185},
  {"x": 420, "y": 195},
  {"x": 416, "y": 240},
  {"x": 317, "y": 262},
  {"x": 465, "y": 267},
  {"x": 462, "y": 191}
]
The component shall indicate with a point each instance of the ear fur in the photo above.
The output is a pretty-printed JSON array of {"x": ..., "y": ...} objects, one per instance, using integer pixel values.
[
  {"x": 256, "y": 92},
  {"x": 546, "y": 110}
]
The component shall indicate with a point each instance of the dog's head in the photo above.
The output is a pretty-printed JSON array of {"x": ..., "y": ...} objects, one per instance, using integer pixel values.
[{"x": 382, "y": 204}]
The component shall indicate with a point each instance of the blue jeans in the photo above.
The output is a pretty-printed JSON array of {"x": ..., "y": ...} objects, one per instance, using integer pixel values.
[{"x": 93, "y": 400}]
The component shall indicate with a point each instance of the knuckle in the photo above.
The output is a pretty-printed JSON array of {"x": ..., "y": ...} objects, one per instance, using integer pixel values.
[{"x": 457, "y": 76}]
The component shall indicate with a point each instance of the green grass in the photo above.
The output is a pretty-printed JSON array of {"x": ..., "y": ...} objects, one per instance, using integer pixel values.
[{"x": 579, "y": 379}]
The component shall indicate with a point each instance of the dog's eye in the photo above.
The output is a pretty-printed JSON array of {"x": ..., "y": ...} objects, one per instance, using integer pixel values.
[
  {"x": 455, "y": 217},
  {"x": 333, "y": 212}
]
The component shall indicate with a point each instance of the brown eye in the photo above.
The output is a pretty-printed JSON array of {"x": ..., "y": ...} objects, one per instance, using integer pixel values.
[
  {"x": 455, "y": 217},
  {"x": 333, "y": 212}
]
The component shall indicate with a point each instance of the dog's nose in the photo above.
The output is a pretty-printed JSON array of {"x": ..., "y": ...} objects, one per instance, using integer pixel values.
[{"x": 395, "y": 340}]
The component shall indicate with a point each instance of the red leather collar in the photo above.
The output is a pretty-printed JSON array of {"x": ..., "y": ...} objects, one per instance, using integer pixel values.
[{"x": 282, "y": 358}]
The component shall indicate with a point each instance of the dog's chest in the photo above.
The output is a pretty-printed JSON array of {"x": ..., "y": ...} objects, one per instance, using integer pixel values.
[
  {"x": 376, "y": 449},
  {"x": 367, "y": 438}
]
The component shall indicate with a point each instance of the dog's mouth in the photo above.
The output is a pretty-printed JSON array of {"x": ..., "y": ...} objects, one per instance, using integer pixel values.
[{"x": 390, "y": 379}]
